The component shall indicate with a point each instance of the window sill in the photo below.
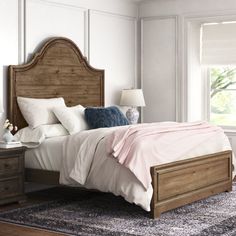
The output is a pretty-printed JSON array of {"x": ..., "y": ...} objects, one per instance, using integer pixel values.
[{"x": 231, "y": 132}]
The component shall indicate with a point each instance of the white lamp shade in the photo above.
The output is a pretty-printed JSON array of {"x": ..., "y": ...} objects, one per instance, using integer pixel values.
[{"x": 132, "y": 97}]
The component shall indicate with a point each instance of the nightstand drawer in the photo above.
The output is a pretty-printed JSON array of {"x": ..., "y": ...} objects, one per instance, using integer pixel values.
[
  {"x": 10, "y": 187},
  {"x": 9, "y": 165}
]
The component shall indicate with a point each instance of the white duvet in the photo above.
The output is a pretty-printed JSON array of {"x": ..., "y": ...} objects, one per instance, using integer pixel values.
[{"x": 85, "y": 162}]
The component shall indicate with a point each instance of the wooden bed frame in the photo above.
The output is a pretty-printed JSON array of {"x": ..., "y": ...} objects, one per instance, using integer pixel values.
[{"x": 60, "y": 70}]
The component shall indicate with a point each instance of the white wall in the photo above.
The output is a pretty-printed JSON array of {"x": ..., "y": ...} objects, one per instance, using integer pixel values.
[
  {"x": 159, "y": 68},
  {"x": 186, "y": 12},
  {"x": 8, "y": 45},
  {"x": 104, "y": 30},
  {"x": 44, "y": 20},
  {"x": 184, "y": 7},
  {"x": 113, "y": 47}
]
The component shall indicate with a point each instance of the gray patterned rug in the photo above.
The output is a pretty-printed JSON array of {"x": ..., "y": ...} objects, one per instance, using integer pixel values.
[{"x": 92, "y": 213}]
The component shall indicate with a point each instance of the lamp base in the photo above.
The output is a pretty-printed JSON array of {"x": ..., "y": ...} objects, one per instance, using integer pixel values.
[{"x": 132, "y": 115}]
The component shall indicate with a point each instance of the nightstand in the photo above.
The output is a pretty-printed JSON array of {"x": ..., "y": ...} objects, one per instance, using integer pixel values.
[{"x": 12, "y": 174}]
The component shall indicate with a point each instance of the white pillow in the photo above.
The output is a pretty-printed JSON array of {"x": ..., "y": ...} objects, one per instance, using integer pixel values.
[
  {"x": 72, "y": 118},
  {"x": 39, "y": 111},
  {"x": 39, "y": 134}
]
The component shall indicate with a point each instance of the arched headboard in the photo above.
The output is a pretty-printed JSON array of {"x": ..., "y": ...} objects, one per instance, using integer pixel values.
[{"x": 57, "y": 70}]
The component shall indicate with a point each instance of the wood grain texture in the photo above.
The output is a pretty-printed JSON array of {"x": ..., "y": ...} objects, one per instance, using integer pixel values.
[
  {"x": 18, "y": 230},
  {"x": 182, "y": 182},
  {"x": 174, "y": 184},
  {"x": 12, "y": 175},
  {"x": 58, "y": 70},
  {"x": 35, "y": 198}
]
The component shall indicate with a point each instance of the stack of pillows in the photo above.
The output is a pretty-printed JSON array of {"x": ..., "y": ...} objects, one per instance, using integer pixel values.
[{"x": 38, "y": 112}]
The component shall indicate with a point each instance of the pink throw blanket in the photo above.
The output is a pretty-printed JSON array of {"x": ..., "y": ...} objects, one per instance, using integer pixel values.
[{"x": 138, "y": 147}]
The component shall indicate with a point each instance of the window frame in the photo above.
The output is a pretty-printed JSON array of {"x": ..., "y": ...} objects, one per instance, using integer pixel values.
[
  {"x": 205, "y": 72},
  {"x": 192, "y": 24}
]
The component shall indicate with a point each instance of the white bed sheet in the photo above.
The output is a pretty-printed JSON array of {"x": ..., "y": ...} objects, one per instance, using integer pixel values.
[
  {"x": 98, "y": 170},
  {"x": 47, "y": 156},
  {"x": 105, "y": 174}
]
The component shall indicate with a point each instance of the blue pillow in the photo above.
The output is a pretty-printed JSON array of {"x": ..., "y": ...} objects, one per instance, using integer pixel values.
[{"x": 100, "y": 117}]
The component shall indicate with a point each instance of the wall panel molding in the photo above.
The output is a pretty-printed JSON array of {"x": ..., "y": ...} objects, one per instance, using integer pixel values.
[
  {"x": 79, "y": 14},
  {"x": 21, "y": 31},
  {"x": 129, "y": 18},
  {"x": 177, "y": 105},
  {"x": 10, "y": 44},
  {"x": 107, "y": 13},
  {"x": 39, "y": 20},
  {"x": 117, "y": 41}
]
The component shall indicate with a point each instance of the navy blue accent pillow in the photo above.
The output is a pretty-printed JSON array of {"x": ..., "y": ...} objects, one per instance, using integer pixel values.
[{"x": 99, "y": 117}]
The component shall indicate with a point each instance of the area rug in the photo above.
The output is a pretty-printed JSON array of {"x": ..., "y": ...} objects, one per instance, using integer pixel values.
[{"x": 92, "y": 213}]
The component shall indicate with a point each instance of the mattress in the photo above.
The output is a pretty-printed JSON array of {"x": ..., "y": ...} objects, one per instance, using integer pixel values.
[
  {"x": 90, "y": 165},
  {"x": 47, "y": 156}
]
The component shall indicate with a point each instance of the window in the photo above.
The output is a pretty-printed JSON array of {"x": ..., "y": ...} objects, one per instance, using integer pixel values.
[
  {"x": 218, "y": 58},
  {"x": 222, "y": 95}
]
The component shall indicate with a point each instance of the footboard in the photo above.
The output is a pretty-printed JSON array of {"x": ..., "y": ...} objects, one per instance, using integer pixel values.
[{"x": 182, "y": 182}]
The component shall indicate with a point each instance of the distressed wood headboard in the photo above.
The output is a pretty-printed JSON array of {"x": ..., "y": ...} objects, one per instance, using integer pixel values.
[{"x": 57, "y": 70}]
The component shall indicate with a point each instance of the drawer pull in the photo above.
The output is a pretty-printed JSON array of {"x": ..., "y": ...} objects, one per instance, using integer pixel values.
[
  {"x": 6, "y": 165},
  {"x": 6, "y": 188}
]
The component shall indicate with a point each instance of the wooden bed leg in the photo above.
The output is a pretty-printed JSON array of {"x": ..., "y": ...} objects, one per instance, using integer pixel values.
[
  {"x": 229, "y": 189},
  {"x": 155, "y": 213}
]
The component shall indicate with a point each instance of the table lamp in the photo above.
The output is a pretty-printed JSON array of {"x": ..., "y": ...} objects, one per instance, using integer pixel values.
[{"x": 133, "y": 98}]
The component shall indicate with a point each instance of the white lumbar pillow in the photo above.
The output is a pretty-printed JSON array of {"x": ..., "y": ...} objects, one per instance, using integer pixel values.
[
  {"x": 72, "y": 118},
  {"x": 36, "y": 136},
  {"x": 39, "y": 111}
]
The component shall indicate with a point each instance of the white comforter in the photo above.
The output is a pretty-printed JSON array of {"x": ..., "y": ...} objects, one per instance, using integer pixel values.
[{"x": 87, "y": 163}]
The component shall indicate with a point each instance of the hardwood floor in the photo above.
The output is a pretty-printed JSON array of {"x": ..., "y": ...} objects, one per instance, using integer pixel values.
[{"x": 7, "y": 229}]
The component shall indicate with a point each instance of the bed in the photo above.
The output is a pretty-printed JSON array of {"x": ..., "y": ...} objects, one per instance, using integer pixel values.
[{"x": 60, "y": 70}]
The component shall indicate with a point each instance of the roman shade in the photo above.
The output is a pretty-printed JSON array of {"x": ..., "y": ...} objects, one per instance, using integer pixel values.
[{"x": 219, "y": 44}]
